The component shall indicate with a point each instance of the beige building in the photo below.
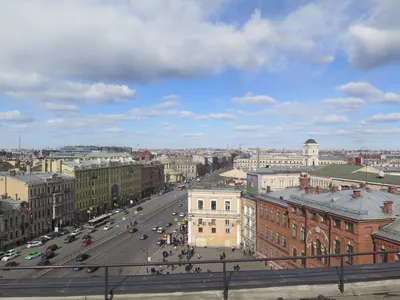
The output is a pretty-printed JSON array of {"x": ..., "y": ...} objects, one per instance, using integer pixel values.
[
  {"x": 214, "y": 218},
  {"x": 50, "y": 198}
]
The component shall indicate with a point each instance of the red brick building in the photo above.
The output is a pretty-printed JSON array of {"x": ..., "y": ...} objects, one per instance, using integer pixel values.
[
  {"x": 153, "y": 179},
  {"x": 142, "y": 155},
  {"x": 317, "y": 223}
]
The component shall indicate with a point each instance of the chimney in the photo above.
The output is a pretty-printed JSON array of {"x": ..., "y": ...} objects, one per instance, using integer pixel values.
[
  {"x": 353, "y": 186},
  {"x": 356, "y": 193},
  {"x": 362, "y": 185},
  {"x": 268, "y": 189},
  {"x": 392, "y": 189},
  {"x": 318, "y": 190},
  {"x": 308, "y": 190},
  {"x": 335, "y": 189},
  {"x": 303, "y": 181},
  {"x": 388, "y": 207}
]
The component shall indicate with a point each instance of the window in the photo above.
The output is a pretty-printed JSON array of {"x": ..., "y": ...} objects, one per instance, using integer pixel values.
[
  {"x": 294, "y": 253},
  {"x": 312, "y": 249},
  {"x": 278, "y": 238},
  {"x": 303, "y": 260},
  {"x": 213, "y": 221},
  {"x": 272, "y": 235},
  {"x": 266, "y": 213},
  {"x": 227, "y": 222},
  {"x": 319, "y": 251},
  {"x": 284, "y": 220},
  {"x": 284, "y": 241},
  {"x": 294, "y": 210},
  {"x": 336, "y": 246},
  {"x": 200, "y": 229},
  {"x": 262, "y": 211},
  {"x": 302, "y": 212},
  {"x": 200, "y": 204},
  {"x": 313, "y": 216},
  {"x": 336, "y": 223},
  {"x": 272, "y": 215},
  {"x": 213, "y": 205},
  {"x": 261, "y": 228},
  {"x": 227, "y": 230},
  {"x": 200, "y": 221},
  {"x": 294, "y": 231},
  {"x": 266, "y": 233},
  {"x": 322, "y": 219},
  {"x": 278, "y": 217},
  {"x": 213, "y": 230},
  {"x": 349, "y": 227},
  {"x": 302, "y": 234},
  {"x": 349, "y": 249},
  {"x": 227, "y": 205}
]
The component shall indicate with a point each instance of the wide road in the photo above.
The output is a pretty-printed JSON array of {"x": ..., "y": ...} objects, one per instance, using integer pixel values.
[
  {"x": 95, "y": 285},
  {"x": 154, "y": 206}
]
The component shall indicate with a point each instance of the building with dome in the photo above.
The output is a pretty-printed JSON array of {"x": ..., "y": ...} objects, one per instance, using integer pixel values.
[{"x": 309, "y": 157}]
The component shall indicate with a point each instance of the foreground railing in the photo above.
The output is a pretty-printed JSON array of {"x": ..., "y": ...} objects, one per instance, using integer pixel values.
[{"x": 344, "y": 258}]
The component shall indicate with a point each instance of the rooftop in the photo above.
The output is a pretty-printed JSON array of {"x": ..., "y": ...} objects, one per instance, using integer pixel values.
[
  {"x": 9, "y": 204},
  {"x": 331, "y": 158},
  {"x": 391, "y": 231},
  {"x": 280, "y": 170},
  {"x": 38, "y": 178},
  {"x": 369, "y": 206}
]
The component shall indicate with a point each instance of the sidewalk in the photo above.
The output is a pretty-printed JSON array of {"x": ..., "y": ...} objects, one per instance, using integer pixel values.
[{"x": 205, "y": 254}]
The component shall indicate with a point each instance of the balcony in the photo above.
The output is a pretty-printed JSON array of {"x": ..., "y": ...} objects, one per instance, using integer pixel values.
[
  {"x": 252, "y": 226},
  {"x": 214, "y": 212},
  {"x": 250, "y": 215}
]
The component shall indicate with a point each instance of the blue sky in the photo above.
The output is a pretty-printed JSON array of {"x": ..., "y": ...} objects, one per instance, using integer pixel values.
[{"x": 200, "y": 73}]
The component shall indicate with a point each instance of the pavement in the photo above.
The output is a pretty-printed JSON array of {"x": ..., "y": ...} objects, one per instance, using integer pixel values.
[
  {"x": 150, "y": 208},
  {"x": 279, "y": 282}
]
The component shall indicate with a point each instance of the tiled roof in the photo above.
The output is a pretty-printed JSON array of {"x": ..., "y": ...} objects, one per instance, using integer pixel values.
[{"x": 369, "y": 206}]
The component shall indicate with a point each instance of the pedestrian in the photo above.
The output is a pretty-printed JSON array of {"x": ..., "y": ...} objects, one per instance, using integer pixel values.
[
  {"x": 198, "y": 256},
  {"x": 170, "y": 252}
]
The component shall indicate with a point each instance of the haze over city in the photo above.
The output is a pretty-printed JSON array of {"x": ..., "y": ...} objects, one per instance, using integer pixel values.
[{"x": 205, "y": 73}]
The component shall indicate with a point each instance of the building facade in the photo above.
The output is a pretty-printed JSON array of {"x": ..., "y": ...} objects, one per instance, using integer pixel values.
[
  {"x": 249, "y": 224},
  {"x": 153, "y": 178},
  {"x": 50, "y": 198},
  {"x": 214, "y": 217}
]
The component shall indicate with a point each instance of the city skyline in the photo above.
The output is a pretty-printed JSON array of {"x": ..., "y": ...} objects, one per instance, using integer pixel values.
[{"x": 208, "y": 73}]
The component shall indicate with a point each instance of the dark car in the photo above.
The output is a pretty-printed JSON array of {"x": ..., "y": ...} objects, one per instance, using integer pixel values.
[
  {"x": 79, "y": 267},
  {"x": 64, "y": 231},
  {"x": 45, "y": 262},
  {"x": 10, "y": 264},
  {"x": 139, "y": 208},
  {"x": 143, "y": 237},
  {"x": 92, "y": 269},
  {"x": 82, "y": 257},
  {"x": 133, "y": 230},
  {"x": 147, "y": 198},
  {"x": 87, "y": 237},
  {"x": 69, "y": 239},
  {"x": 168, "y": 224},
  {"x": 51, "y": 248},
  {"x": 48, "y": 255}
]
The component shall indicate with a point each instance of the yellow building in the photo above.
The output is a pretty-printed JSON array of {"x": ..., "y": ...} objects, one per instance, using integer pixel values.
[
  {"x": 100, "y": 184},
  {"x": 214, "y": 217}
]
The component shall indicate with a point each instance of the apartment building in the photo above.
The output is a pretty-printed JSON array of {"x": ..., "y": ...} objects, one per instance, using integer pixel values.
[
  {"x": 178, "y": 170},
  {"x": 249, "y": 223},
  {"x": 214, "y": 217},
  {"x": 14, "y": 222},
  {"x": 50, "y": 198},
  {"x": 153, "y": 178}
]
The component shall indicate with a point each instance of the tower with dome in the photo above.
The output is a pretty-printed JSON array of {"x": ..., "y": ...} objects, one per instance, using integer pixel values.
[{"x": 310, "y": 153}]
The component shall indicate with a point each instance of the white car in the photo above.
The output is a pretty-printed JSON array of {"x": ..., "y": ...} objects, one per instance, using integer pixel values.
[
  {"x": 107, "y": 227},
  {"x": 34, "y": 244},
  {"x": 182, "y": 215},
  {"x": 174, "y": 213},
  {"x": 9, "y": 255},
  {"x": 175, "y": 231},
  {"x": 75, "y": 232}
]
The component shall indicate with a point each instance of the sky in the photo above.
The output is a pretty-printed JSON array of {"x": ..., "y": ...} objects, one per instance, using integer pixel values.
[{"x": 200, "y": 73}]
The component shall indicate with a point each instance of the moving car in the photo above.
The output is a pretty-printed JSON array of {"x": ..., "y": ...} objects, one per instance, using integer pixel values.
[
  {"x": 44, "y": 262},
  {"x": 86, "y": 243},
  {"x": 174, "y": 213},
  {"x": 92, "y": 269},
  {"x": 48, "y": 255},
  {"x": 51, "y": 248},
  {"x": 168, "y": 224},
  {"x": 155, "y": 228},
  {"x": 82, "y": 257},
  {"x": 79, "y": 267},
  {"x": 34, "y": 244},
  {"x": 10, "y": 264},
  {"x": 143, "y": 237},
  {"x": 182, "y": 215},
  {"x": 64, "y": 231},
  {"x": 87, "y": 237},
  {"x": 9, "y": 255},
  {"x": 180, "y": 205},
  {"x": 76, "y": 231},
  {"x": 160, "y": 230},
  {"x": 139, "y": 208},
  {"x": 160, "y": 242},
  {"x": 133, "y": 230},
  {"x": 32, "y": 255},
  {"x": 108, "y": 226},
  {"x": 69, "y": 239}
]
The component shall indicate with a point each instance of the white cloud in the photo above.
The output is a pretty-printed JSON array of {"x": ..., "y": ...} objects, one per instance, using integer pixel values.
[
  {"x": 193, "y": 135},
  {"x": 381, "y": 118},
  {"x": 367, "y": 90},
  {"x": 180, "y": 113},
  {"x": 171, "y": 97},
  {"x": 250, "y": 127},
  {"x": 14, "y": 116},
  {"x": 166, "y": 104},
  {"x": 60, "y": 107},
  {"x": 249, "y": 98},
  {"x": 34, "y": 86},
  {"x": 217, "y": 116},
  {"x": 346, "y": 104},
  {"x": 114, "y": 129},
  {"x": 330, "y": 120},
  {"x": 169, "y": 127}
]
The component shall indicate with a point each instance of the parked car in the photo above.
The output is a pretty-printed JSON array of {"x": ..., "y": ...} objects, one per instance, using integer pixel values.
[
  {"x": 160, "y": 242},
  {"x": 180, "y": 205},
  {"x": 168, "y": 224},
  {"x": 155, "y": 228},
  {"x": 92, "y": 269},
  {"x": 139, "y": 208},
  {"x": 34, "y": 244},
  {"x": 32, "y": 255},
  {"x": 107, "y": 227},
  {"x": 86, "y": 243},
  {"x": 87, "y": 237},
  {"x": 133, "y": 230},
  {"x": 182, "y": 215},
  {"x": 76, "y": 231},
  {"x": 174, "y": 213},
  {"x": 51, "y": 248},
  {"x": 69, "y": 239},
  {"x": 10, "y": 264},
  {"x": 143, "y": 237},
  {"x": 1, "y": 254},
  {"x": 64, "y": 231},
  {"x": 82, "y": 257},
  {"x": 160, "y": 230},
  {"x": 9, "y": 255}
]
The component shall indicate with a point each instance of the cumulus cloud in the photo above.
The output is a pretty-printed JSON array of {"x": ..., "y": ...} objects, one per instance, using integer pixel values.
[
  {"x": 60, "y": 107},
  {"x": 35, "y": 86},
  {"x": 346, "y": 104},
  {"x": 367, "y": 90},
  {"x": 382, "y": 118},
  {"x": 167, "y": 104},
  {"x": 249, "y": 98},
  {"x": 330, "y": 120},
  {"x": 114, "y": 129},
  {"x": 14, "y": 116},
  {"x": 217, "y": 116},
  {"x": 169, "y": 127},
  {"x": 171, "y": 97},
  {"x": 250, "y": 127},
  {"x": 193, "y": 135}
]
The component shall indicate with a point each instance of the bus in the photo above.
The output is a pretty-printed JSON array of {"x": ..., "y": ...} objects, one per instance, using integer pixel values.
[
  {"x": 98, "y": 221},
  {"x": 181, "y": 187}
]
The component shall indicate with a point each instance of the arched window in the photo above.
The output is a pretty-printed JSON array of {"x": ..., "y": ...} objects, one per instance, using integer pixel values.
[{"x": 319, "y": 249}]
